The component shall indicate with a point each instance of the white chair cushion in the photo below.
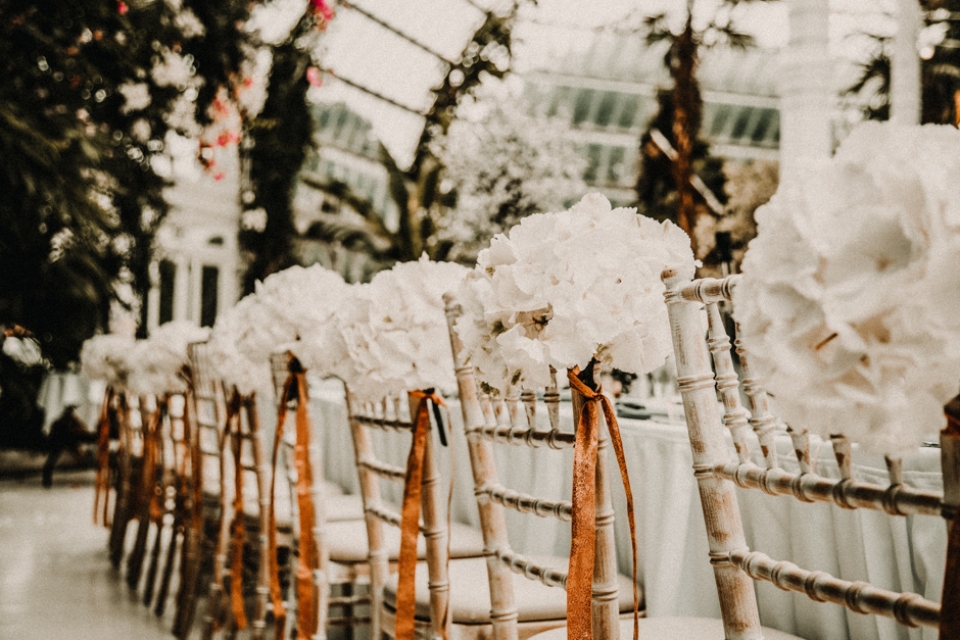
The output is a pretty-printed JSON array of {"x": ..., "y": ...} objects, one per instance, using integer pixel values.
[
  {"x": 671, "y": 629},
  {"x": 470, "y": 593},
  {"x": 342, "y": 507},
  {"x": 348, "y": 541}
]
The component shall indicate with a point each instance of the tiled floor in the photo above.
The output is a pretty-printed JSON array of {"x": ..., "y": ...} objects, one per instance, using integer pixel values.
[{"x": 55, "y": 579}]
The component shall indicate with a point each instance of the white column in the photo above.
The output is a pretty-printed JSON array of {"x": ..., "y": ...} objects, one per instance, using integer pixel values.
[
  {"x": 181, "y": 289},
  {"x": 905, "y": 65},
  {"x": 153, "y": 297},
  {"x": 196, "y": 287},
  {"x": 806, "y": 86}
]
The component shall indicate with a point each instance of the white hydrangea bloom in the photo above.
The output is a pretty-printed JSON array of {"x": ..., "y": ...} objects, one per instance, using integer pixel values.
[
  {"x": 156, "y": 364},
  {"x": 290, "y": 305},
  {"x": 105, "y": 357},
  {"x": 849, "y": 306},
  {"x": 392, "y": 333},
  {"x": 562, "y": 288},
  {"x": 227, "y": 362}
]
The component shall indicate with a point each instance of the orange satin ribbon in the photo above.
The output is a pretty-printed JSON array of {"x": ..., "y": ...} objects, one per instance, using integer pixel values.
[
  {"x": 583, "y": 524},
  {"x": 103, "y": 461},
  {"x": 295, "y": 386},
  {"x": 157, "y": 472},
  {"x": 410, "y": 518},
  {"x": 950, "y": 601},
  {"x": 238, "y": 528}
]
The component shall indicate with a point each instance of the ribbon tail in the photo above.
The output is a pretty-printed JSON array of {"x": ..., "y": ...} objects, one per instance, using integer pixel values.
[
  {"x": 583, "y": 526},
  {"x": 613, "y": 428},
  {"x": 103, "y": 460},
  {"x": 410, "y": 526},
  {"x": 306, "y": 593},
  {"x": 239, "y": 528}
]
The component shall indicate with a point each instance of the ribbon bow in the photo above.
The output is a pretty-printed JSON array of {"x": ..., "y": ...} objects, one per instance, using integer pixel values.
[
  {"x": 410, "y": 516},
  {"x": 583, "y": 526},
  {"x": 295, "y": 387}
]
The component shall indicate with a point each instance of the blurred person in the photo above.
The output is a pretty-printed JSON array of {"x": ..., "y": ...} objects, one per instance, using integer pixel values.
[{"x": 67, "y": 433}]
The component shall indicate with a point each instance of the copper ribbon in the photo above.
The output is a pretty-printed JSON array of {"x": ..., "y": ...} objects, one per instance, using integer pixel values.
[
  {"x": 157, "y": 463},
  {"x": 102, "y": 483},
  {"x": 237, "y": 528},
  {"x": 582, "y": 522},
  {"x": 295, "y": 386},
  {"x": 950, "y": 601},
  {"x": 410, "y": 518}
]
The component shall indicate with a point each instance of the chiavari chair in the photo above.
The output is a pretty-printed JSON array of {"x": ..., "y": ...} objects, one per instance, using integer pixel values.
[
  {"x": 129, "y": 474},
  {"x": 394, "y": 571},
  {"x": 525, "y": 595},
  {"x": 332, "y": 586},
  {"x": 205, "y": 545},
  {"x": 720, "y": 440}
]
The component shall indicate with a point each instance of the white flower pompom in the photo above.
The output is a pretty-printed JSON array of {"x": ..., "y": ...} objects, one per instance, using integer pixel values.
[
  {"x": 562, "y": 288},
  {"x": 240, "y": 324},
  {"x": 157, "y": 363},
  {"x": 105, "y": 357},
  {"x": 391, "y": 334},
  {"x": 849, "y": 307},
  {"x": 289, "y": 305}
]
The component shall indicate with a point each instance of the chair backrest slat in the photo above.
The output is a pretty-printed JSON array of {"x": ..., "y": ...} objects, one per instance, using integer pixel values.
[{"x": 718, "y": 472}]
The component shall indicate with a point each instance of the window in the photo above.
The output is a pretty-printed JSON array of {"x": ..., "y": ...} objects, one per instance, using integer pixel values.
[
  {"x": 763, "y": 125},
  {"x": 628, "y": 113},
  {"x": 582, "y": 110},
  {"x": 615, "y": 169},
  {"x": 209, "y": 281},
  {"x": 605, "y": 111},
  {"x": 593, "y": 162},
  {"x": 720, "y": 117},
  {"x": 168, "y": 276},
  {"x": 743, "y": 120}
]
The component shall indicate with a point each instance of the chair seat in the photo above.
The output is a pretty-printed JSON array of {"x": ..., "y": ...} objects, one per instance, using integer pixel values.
[
  {"x": 338, "y": 508},
  {"x": 331, "y": 488},
  {"x": 347, "y": 542},
  {"x": 671, "y": 629},
  {"x": 470, "y": 593}
]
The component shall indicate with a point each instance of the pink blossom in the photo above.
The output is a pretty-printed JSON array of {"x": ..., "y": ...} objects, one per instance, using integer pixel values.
[
  {"x": 320, "y": 7},
  {"x": 122, "y": 8},
  {"x": 314, "y": 77}
]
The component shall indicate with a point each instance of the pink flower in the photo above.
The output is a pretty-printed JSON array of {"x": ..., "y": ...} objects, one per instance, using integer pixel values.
[
  {"x": 320, "y": 7},
  {"x": 314, "y": 77},
  {"x": 219, "y": 176},
  {"x": 122, "y": 8}
]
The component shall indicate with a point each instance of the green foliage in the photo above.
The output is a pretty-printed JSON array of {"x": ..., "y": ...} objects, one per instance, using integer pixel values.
[
  {"x": 80, "y": 201},
  {"x": 415, "y": 190},
  {"x": 939, "y": 73},
  {"x": 279, "y": 138}
]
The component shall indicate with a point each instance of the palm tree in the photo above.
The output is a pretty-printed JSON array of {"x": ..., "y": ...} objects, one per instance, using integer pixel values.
[{"x": 685, "y": 105}]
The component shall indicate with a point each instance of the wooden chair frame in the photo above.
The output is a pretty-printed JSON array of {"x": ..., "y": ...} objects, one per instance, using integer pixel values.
[
  {"x": 388, "y": 416},
  {"x": 718, "y": 474},
  {"x": 513, "y": 420}
]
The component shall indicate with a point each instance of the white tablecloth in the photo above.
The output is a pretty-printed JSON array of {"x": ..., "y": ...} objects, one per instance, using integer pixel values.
[{"x": 893, "y": 553}]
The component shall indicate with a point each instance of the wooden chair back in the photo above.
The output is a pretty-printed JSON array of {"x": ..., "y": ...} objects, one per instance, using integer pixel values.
[
  {"x": 492, "y": 423},
  {"x": 710, "y": 386},
  {"x": 283, "y": 366},
  {"x": 367, "y": 422}
]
